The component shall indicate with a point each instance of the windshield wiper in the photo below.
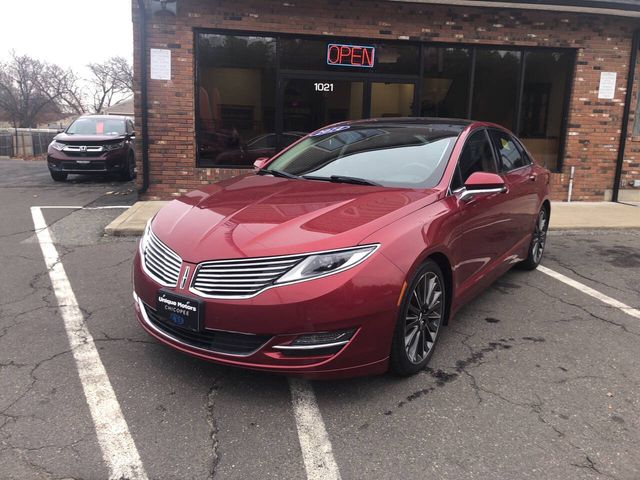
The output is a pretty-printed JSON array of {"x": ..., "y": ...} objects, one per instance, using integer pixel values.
[
  {"x": 277, "y": 173},
  {"x": 343, "y": 179}
]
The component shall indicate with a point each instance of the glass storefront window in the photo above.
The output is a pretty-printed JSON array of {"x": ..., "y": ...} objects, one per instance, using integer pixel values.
[
  {"x": 545, "y": 86},
  {"x": 445, "y": 84},
  {"x": 496, "y": 86},
  {"x": 252, "y": 99},
  {"x": 236, "y": 101}
]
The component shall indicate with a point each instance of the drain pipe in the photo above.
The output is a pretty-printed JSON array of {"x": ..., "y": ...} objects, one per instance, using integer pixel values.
[
  {"x": 144, "y": 127},
  {"x": 573, "y": 171},
  {"x": 625, "y": 114}
]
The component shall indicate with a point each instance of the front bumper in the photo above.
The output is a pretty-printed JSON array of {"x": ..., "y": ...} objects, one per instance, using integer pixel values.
[
  {"x": 363, "y": 299},
  {"x": 108, "y": 162}
]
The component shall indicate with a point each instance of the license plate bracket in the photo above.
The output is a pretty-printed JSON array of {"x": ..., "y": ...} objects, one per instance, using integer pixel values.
[{"x": 179, "y": 311}]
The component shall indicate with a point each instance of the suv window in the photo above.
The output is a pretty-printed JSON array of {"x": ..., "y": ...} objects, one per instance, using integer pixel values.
[
  {"x": 477, "y": 156},
  {"x": 510, "y": 154}
]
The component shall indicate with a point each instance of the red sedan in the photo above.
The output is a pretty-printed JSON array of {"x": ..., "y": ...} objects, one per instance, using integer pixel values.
[{"x": 346, "y": 253}]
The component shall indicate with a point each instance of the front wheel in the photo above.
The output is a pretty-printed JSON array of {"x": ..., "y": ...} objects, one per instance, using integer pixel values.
[
  {"x": 538, "y": 241},
  {"x": 58, "y": 176},
  {"x": 420, "y": 318},
  {"x": 129, "y": 173}
]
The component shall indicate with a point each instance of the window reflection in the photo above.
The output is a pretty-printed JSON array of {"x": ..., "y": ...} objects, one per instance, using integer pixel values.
[
  {"x": 445, "y": 86},
  {"x": 496, "y": 86},
  {"x": 546, "y": 79},
  {"x": 236, "y": 104}
]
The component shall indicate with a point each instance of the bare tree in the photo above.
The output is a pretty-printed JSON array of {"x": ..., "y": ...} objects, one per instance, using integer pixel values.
[
  {"x": 109, "y": 80},
  {"x": 29, "y": 86},
  {"x": 20, "y": 96}
]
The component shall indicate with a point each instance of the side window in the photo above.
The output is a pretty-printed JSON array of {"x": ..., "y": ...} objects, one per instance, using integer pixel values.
[
  {"x": 477, "y": 156},
  {"x": 509, "y": 153}
]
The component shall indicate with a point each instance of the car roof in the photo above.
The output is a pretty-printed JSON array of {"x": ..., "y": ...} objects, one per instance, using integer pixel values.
[
  {"x": 444, "y": 123},
  {"x": 107, "y": 117}
]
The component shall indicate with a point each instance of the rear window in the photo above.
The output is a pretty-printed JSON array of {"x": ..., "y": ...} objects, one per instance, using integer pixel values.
[
  {"x": 393, "y": 156},
  {"x": 97, "y": 126}
]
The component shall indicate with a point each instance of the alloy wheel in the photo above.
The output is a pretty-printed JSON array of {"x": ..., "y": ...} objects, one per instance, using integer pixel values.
[
  {"x": 540, "y": 236},
  {"x": 423, "y": 317}
]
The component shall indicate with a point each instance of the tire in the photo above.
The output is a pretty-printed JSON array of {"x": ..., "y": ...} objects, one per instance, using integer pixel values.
[
  {"x": 420, "y": 319},
  {"x": 58, "y": 176},
  {"x": 538, "y": 241},
  {"x": 129, "y": 173}
]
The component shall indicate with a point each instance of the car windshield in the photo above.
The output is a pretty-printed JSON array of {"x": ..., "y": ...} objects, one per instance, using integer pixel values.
[
  {"x": 97, "y": 126},
  {"x": 406, "y": 156}
]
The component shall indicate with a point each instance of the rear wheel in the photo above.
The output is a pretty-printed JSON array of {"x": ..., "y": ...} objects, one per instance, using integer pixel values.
[
  {"x": 421, "y": 316},
  {"x": 538, "y": 241},
  {"x": 58, "y": 176}
]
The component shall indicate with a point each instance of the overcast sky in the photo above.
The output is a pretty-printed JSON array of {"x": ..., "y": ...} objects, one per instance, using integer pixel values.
[{"x": 71, "y": 33}]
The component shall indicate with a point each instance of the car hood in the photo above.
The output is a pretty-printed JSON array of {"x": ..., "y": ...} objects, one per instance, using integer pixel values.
[
  {"x": 63, "y": 137},
  {"x": 255, "y": 216}
]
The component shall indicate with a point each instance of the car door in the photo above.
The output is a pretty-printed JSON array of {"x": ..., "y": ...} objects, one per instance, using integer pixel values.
[
  {"x": 517, "y": 170},
  {"x": 485, "y": 229}
]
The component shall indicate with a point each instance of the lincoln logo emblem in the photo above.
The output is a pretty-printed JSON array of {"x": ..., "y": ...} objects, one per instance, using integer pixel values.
[{"x": 184, "y": 277}]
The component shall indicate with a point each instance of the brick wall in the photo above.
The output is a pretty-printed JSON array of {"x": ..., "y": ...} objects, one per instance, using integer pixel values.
[{"x": 603, "y": 44}]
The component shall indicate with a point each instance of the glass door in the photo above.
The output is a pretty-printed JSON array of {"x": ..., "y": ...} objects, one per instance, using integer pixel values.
[
  {"x": 392, "y": 99},
  {"x": 309, "y": 104}
]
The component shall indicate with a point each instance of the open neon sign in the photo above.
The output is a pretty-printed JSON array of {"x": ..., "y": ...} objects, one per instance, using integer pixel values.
[{"x": 350, "y": 55}]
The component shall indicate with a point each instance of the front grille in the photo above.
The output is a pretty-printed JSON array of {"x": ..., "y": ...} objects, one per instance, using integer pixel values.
[
  {"x": 218, "y": 341},
  {"x": 94, "y": 166},
  {"x": 162, "y": 263},
  {"x": 240, "y": 278}
]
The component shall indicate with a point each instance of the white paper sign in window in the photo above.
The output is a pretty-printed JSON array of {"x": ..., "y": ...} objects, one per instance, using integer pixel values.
[
  {"x": 607, "y": 90},
  {"x": 160, "y": 64}
]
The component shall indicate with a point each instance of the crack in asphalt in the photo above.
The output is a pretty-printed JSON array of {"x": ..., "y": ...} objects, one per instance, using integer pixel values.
[
  {"x": 213, "y": 429},
  {"x": 584, "y": 309}
]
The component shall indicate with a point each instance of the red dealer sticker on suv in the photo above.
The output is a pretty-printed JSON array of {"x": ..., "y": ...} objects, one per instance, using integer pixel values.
[{"x": 350, "y": 55}]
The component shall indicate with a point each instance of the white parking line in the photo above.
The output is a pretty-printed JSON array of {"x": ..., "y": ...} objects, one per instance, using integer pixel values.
[
  {"x": 118, "y": 449},
  {"x": 316, "y": 447},
  {"x": 591, "y": 292}
]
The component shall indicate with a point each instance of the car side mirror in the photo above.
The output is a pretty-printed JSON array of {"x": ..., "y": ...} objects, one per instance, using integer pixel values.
[
  {"x": 480, "y": 183},
  {"x": 260, "y": 163}
]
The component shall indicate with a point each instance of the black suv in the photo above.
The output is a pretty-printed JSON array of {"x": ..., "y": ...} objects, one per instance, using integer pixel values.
[{"x": 94, "y": 144}]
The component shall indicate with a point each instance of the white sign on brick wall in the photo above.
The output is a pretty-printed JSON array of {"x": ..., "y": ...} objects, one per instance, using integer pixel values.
[
  {"x": 160, "y": 64},
  {"x": 607, "y": 89}
]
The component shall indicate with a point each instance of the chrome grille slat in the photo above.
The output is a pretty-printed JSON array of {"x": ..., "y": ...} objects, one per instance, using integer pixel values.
[
  {"x": 162, "y": 259},
  {"x": 162, "y": 263},
  {"x": 237, "y": 275},
  {"x": 240, "y": 277}
]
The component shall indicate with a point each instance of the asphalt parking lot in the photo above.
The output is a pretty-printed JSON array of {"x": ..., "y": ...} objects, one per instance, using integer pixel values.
[{"x": 535, "y": 379}]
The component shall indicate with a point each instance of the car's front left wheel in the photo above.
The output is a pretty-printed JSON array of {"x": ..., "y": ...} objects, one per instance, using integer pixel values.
[
  {"x": 58, "y": 176},
  {"x": 420, "y": 319}
]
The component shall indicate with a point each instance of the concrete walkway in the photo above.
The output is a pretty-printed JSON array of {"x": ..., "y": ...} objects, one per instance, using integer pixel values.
[{"x": 564, "y": 216}]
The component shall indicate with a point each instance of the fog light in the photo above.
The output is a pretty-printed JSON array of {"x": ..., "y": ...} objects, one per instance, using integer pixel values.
[{"x": 323, "y": 339}]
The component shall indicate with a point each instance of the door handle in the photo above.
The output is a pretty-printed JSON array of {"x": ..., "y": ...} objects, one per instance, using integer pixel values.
[{"x": 533, "y": 178}]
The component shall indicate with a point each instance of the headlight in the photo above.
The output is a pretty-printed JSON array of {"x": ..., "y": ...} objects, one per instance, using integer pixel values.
[
  {"x": 144, "y": 241},
  {"x": 113, "y": 146},
  {"x": 326, "y": 264},
  {"x": 57, "y": 145}
]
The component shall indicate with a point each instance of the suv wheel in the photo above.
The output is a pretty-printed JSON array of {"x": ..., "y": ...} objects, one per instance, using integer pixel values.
[
  {"x": 129, "y": 172},
  {"x": 58, "y": 176}
]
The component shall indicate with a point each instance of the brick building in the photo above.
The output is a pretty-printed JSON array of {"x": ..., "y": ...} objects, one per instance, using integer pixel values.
[{"x": 224, "y": 82}]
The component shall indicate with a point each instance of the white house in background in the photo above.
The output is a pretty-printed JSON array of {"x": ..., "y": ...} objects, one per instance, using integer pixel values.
[{"x": 123, "y": 107}]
